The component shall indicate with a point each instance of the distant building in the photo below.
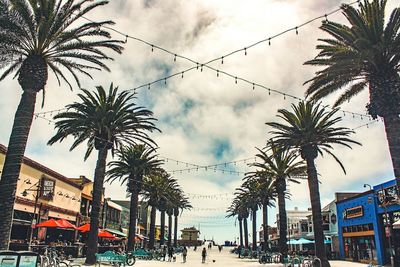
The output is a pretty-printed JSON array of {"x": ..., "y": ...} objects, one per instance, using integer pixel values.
[{"x": 190, "y": 237}]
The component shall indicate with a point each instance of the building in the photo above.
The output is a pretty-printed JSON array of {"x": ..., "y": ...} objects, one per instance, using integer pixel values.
[
  {"x": 86, "y": 198},
  {"x": 296, "y": 221},
  {"x": 365, "y": 225},
  {"x": 111, "y": 218},
  {"x": 143, "y": 218},
  {"x": 41, "y": 194},
  {"x": 190, "y": 237}
]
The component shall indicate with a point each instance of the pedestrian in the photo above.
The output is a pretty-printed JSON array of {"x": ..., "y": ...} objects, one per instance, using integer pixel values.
[
  {"x": 184, "y": 254},
  {"x": 219, "y": 248},
  {"x": 203, "y": 255},
  {"x": 170, "y": 253},
  {"x": 164, "y": 252},
  {"x": 195, "y": 248}
]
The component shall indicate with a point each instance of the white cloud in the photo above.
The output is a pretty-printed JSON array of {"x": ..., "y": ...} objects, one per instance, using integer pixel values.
[{"x": 219, "y": 109}]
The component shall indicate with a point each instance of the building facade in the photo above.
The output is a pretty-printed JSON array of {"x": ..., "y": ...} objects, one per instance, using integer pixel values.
[
  {"x": 365, "y": 225},
  {"x": 190, "y": 237},
  {"x": 41, "y": 194}
]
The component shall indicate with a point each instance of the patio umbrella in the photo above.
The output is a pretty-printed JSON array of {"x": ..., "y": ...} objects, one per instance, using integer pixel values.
[
  {"x": 304, "y": 241},
  {"x": 66, "y": 224},
  {"x": 105, "y": 234},
  {"x": 50, "y": 224},
  {"x": 84, "y": 228},
  {"x": 292, "y": 242}
]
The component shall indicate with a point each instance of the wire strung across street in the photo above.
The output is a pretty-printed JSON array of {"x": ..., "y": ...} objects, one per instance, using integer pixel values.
[{"x": 218, "y": 72}]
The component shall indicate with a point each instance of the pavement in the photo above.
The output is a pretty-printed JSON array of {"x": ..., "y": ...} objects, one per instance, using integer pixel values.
[{"x": 223, "y": 259}]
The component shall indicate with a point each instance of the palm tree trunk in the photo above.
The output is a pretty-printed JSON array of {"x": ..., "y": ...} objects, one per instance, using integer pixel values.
[
  {"x": 316, "y": 211},
  {"x": 240, "y": 232},
  {"x": 282, "y": 242},
  {"x": 162, "y": 235},
  {"x": 92, "y": 241},
  {"x": 246, "y": 233},
  {"x": 265, "y": 227},
  {"x": 169, "y": 229},
  {"x": 254, "y": 214},
  {"x": 12, "y": 165},
  {"x": 152, "y": 236},
  {"x": 392, "y": 128},
  {"x": 176, "y": 232},
  {"x": 132, "y": 221}
]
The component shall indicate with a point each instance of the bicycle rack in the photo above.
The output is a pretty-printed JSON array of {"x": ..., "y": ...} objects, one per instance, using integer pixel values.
[{"x": 317, "y": 259}]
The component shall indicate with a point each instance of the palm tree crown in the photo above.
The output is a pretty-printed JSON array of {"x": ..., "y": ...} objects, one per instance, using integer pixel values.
[
  {"x": 364, "y": 53},
  {"x": 311, "y": 129},
  {"x": 39, "y": 34},
  {"x": 104, "y": 120}
]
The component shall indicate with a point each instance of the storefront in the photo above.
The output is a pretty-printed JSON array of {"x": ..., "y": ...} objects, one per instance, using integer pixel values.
[
  {"x": 358, "y": 229},
  {"x": 389, "y": 214}
]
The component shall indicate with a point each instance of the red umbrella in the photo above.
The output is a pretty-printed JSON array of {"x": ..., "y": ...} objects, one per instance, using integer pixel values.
[
  {"x": 84, "y": 228},
  {"x": 50, "y": 224},
  {"x": 105, "y": 234},
  {"x": 66, "y": 224}
]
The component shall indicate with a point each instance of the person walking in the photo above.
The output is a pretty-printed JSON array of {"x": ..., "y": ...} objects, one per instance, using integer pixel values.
[
  {"x": 170, "y": 253},
  {"x": 203, "y": 255},
  {"x": 164, "y": 252},
  {"x": 184, "y": 254}
]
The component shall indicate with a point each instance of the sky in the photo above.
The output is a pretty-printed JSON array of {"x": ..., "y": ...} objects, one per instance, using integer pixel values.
[{"x": 206, "y": 119}]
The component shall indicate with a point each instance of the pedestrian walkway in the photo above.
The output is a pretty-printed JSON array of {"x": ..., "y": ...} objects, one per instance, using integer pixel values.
[{"x": 223, "y": 259}]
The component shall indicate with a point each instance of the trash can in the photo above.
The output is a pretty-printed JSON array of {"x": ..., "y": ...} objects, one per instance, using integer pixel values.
[{"x": 18, "y": 259}]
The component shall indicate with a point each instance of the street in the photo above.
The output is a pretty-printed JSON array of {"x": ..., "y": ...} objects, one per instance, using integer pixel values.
[{"x": 223, "y": 259}]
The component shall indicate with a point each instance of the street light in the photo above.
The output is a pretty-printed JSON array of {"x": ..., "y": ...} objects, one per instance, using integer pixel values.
[
  {"x": 37, "y": 190},
  {"x": 370, "y": 187}
]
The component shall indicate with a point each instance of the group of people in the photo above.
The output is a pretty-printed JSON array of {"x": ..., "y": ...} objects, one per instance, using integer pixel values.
[{"x": 170, "y": 251}]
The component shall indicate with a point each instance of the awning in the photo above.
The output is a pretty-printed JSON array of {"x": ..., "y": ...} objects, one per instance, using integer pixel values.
[
  {"x": 304, "y": 241},
  {"x": 116, "y": 232},
  {"x": 396, "y": 225}
]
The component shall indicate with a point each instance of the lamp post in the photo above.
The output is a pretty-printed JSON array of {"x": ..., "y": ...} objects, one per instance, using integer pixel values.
[{"x": 37, "y": 191}]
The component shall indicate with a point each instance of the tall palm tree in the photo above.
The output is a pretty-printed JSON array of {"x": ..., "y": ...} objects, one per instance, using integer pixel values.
[
  {"x": 267, "y": 194},
  {"x": 156, "y": 187},
  {"x": 233, "y": 211},
  {"x": 311, "y": 130},
  {"x": 281, "y": 165},
  {"x": 105, "y": 120},
  {"x": 363, "y": 55},
  {"x": 133, "y": 163},
  {"x": 174, "y": 198},
  {"x": 35, "y": 36},
  {"x": 250, "y": 195},
  {"x": 182, "y": 204}
]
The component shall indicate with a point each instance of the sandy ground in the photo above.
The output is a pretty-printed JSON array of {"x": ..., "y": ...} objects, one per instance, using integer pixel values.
[{"x": 223, "y": 259}]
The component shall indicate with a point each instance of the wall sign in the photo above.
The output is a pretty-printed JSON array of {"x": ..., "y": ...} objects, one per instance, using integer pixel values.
[
  {"x": 353, "y": 212},
  {"x": 387, "y": 196},
  {"x": 47, "y": 188}
]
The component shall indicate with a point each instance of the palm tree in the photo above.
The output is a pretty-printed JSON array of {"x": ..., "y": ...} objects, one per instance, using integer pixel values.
[
  {"x": 182, "y": 204},
  {"x": 239, "y": 208},
  {"x": 156, "y": 187},
  {"x": 281, "y": 165},
  {"x": 37, "y": 35},
  {"x": 267, "y": 194},
  {"x": 232, "y": 211},
  {"x": 250, "y": 195},
  {"x": 133, "y": 163},
  {"x": 105, "y": 121},
  {"x": 364, "y": 55},
  {"x": 174, "y": 198},
  {"x": 311, "y": 130}
]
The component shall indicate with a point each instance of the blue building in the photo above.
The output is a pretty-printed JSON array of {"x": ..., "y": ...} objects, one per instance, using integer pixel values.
[{"x": 363, "y": 230}]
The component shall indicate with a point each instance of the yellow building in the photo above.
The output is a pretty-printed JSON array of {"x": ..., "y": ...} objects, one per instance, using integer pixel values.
[{"x": 43, "y": 192}]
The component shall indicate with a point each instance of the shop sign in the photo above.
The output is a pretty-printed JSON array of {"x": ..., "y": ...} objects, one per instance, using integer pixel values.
[
  {"x": 353, "y": 212},
  {"x": 333, "y": 218},
  {"x": 47, "y": 188},
  {"x": 387, "y": 196}
]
